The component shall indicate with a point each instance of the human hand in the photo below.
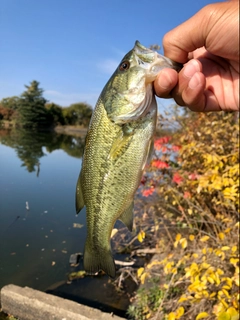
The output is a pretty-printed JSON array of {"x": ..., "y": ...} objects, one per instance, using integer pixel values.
[{"x": 208, "y": 44}]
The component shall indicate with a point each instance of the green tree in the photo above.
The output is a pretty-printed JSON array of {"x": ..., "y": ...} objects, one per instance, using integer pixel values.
[
  {"x": 56, "y": 113},
  {"x": 32, "y": 111},
  {"x": 10, "y": 103},
  {"x": 78, "y": 114}
]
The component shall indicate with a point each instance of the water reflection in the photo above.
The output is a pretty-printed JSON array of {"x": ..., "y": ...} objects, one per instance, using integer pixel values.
[
  {"x": 29, "y": 146},
  {"x": 38, "y": 174}
]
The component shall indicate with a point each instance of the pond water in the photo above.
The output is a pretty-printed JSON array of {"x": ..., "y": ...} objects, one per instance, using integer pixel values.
[{"x": 39, "y": 229}]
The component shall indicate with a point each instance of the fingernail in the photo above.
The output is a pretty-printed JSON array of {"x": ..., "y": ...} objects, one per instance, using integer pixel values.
[
  {"x": 194, "y": 82},
  {"x": 164, "y": 80},
  {"x": 191, "y": 68}
]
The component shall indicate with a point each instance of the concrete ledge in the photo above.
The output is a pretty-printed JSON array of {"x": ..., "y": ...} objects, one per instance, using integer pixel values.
[{"x": 29, "y": 304}]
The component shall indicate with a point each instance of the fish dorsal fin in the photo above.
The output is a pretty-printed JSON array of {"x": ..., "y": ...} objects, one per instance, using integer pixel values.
[
  {"x": 121, "y": 143},
  {"x": 127, "y": 217},
  {"x": 79, "y": 201}
]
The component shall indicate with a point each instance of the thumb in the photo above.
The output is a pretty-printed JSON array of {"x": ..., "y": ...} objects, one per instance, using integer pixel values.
[{"x": 205, "y": 28}]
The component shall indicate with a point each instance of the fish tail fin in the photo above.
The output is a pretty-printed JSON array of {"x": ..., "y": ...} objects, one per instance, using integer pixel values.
[{"x": 98, "y": 259}]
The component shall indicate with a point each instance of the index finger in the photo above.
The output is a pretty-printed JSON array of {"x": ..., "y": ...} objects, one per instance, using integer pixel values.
[{"x": 187, "y": 37}]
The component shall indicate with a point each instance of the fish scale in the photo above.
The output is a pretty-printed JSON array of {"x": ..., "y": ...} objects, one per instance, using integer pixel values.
[{"x": 117, "y": 147}]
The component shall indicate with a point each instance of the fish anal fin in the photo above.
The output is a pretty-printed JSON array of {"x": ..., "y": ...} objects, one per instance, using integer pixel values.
[
  {"x": 127, "y": 217},
  {"x": 79, "y": 200},
  {"x": 98, "y": 259}
]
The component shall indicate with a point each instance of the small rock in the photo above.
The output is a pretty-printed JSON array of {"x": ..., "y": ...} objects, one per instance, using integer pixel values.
[{"x": 74, "y": 258}]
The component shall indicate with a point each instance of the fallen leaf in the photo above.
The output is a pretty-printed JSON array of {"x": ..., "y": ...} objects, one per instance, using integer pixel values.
[
  {"x": 202, "y": 315},
  {"x": 114, "y": 231},
  {"x": 78, "y": 225},
  {"x": 204, "y": 238},
  {"x": 141, "y": 236},
  {"x": 140, "y": 271}
]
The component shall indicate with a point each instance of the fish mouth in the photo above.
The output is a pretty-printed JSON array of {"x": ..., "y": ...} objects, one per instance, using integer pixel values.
[{"x": 152, "y": 61}]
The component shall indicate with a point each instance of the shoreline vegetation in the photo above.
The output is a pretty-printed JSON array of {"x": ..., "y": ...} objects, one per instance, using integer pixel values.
[
  {"x": 71, "y": 130},
  {"x": 31, "y": 111},
  {"x": 65, "y": 129},
  {"x": 191, "y": 194}
]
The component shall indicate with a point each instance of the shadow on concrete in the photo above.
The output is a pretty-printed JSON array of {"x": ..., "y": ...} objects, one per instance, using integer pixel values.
[{"x": 97, "y": 292}]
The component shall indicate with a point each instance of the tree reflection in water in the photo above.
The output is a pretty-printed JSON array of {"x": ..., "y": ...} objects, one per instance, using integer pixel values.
[{"x": 29, "y": 145}]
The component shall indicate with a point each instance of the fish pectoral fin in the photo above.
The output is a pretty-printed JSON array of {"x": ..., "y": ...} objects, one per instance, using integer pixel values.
[
  {"x": 100, "y": 259},
  {"x": 120, "y": 144},
  {"x": 79, "y": 201},
  {"x": 127, "y": 217}
]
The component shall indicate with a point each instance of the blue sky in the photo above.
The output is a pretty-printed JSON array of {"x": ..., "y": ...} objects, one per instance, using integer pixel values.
[{"x": 72, "y": 47}]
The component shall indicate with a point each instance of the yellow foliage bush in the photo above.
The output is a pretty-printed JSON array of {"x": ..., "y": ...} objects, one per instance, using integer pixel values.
[
  {"x": 193, "y": 183},
  {"x": 210, "y": 157}
]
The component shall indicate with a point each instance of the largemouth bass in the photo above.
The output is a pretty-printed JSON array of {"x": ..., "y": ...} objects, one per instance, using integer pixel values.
[{"x": 117, "y": 147}]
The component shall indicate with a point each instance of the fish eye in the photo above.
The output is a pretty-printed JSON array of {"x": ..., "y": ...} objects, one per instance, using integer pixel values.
[{"x": 124, "y": 65}]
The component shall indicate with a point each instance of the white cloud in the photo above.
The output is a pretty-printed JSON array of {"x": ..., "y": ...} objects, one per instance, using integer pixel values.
[
  {"x": 108, "y": 66},
  {"x": 119, "y": 52}
]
